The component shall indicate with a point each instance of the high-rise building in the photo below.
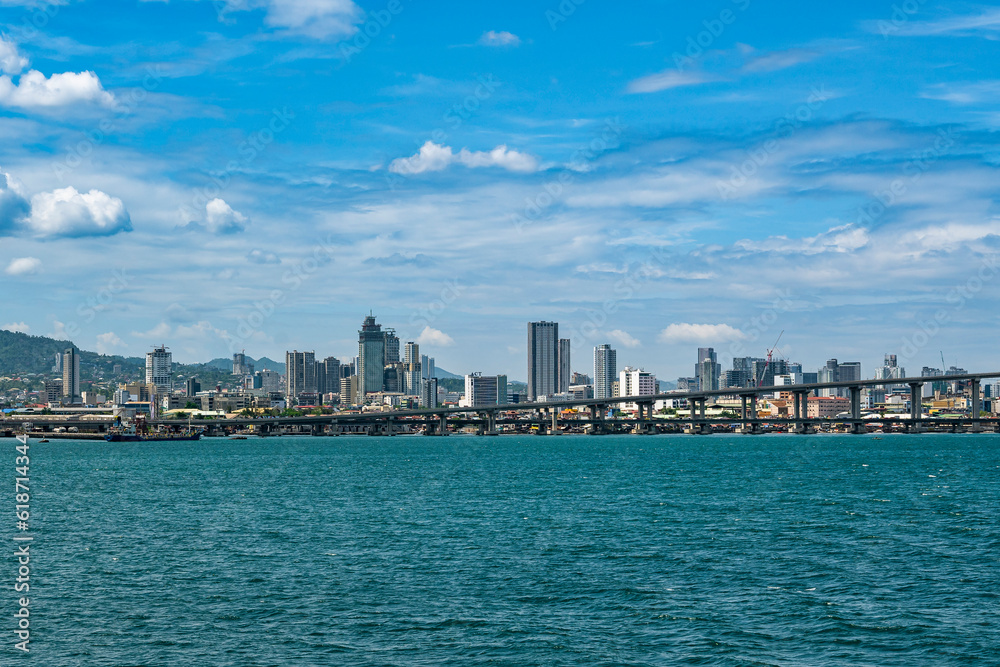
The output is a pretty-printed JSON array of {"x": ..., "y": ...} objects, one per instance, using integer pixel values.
[
  {"x": 543, "y": 357},
  {"x": 707, "y": 370},
  {"x": 411, "y": 369},
  {"x": 158, "y": 369},
  {"x": 300, "y": 375},
  {"x": 349, "y": 390},
  {"x": 429, "y": 393},
  {"x": 563, "y": 366},
  {"x": 53, "y": 390},
  {"x": 481, "y": 390},
  {"x": 57, "y": 367},
  {"x": 635, "y": 382},
  {"x": 328, "y": 376},
  {"x": 605, "y": 370},
  {"x": 391, "y": 346},
  {"x": 192, "y": 387},
  {"x": 71, "y": 375},
  {"x": 240, "y": 364},
  {"x": 427, "y": 367},
  {"x": 891, "y": 370},
  {"x": 371, "y": 357},
  {"x": 835, "y": 371}
]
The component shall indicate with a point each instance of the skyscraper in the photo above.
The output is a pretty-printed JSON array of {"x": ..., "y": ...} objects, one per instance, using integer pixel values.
[
  {"x": 391, "y": 347},
  {"x": 707, "y": 370},
  {"x": 371, "y": 357},
  {"x": 543, "y": 357},
  {"x": 563, "y": 364},
  {"x": 71, "y": 375},
  {"x": 481, "y": 390},
  {"x": 411, "y": 369},
  {"x": 429, "y": 393},
  {"x": 300, "y": 374},
  {"x": 605, "y": 370},
  {"x": 158, "y": 368},
  {"x": 328, "y": 376},
  {"x": 426, "y": 367}
]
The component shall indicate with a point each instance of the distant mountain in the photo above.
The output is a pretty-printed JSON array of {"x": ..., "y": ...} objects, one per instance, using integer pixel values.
[
  {"x": 21, "y": 353},
  {"x": 442, "y": 374},
  {"x": 224, "y": 364}
]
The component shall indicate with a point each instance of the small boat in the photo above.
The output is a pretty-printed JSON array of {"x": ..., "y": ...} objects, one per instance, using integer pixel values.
[
  {"x": 131, "y": 434},
  {"x": 43, "y": 440}
]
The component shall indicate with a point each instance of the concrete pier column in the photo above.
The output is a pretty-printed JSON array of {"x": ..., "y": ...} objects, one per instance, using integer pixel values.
[
  {"x": 443, "y": 425},
  {"x": 743, "y": 411},
  {"x": 856, "y": 426},
  {"x": 555, "y": 421},
  {"x": 491, "y": 422},
  {"x": 916, "y": 411},
  {"x": 976, "y": 407}
]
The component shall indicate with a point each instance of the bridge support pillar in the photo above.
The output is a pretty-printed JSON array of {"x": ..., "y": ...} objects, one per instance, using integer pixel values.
[
  {"x": 856, "y": 425},
  {"x": 443, "y": 425},
  {"x": 976, "y": 408},
  {"x": 597, "y": 413},
  {"x": 800, "y": 403},
  {"x": 916, "y": 407},
  {"x": 555, "y": 421},
  {"x": 491, "y": 423}
]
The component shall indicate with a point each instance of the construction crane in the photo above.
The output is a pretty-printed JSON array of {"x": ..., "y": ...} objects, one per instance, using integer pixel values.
[
  {"x": 768, "y": 364},
  {"x": 944, "y": 367}
]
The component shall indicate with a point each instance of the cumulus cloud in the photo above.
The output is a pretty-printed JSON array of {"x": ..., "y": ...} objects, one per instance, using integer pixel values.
[
  {"x": 11, "y": 62},
  {"x": 258, "y": 256},
  {"x": 319, "y": 19},
  {"x": 16, "y": 327},
  {"x": 23, "y": 266},
  {"x": 778, "y": 60},
  {"x": 624, "y": 338},
  {"x": 14, "y": 206},
  {"x": 667, "y": 79},
  {"x": 434, "y": 157},
  {"x": 33, "y": 90},
  {"x": 430, "y": 336},
  {"x": 700, "y": 333},
  {"x": 220, "y": 218},
  {"x": 108, "y": 342},
  {"x": 68, "y": 213},
  {"x": 501, "y": 38}
]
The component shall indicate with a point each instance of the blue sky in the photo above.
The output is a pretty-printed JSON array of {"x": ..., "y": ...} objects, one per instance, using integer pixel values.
[{"x": 259, "y": 174}]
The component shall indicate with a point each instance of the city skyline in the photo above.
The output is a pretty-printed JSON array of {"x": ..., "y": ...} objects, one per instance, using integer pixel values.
[{"x": 702, "y": 177}]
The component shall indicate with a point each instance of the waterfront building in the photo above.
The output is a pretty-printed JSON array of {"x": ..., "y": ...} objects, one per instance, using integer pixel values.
[
  {"x": 349, "y": 391},
  {"x": 635, "y": 382},
  {"x": 563, "y": 366},
  {"x": 707, "y": 370},
  {"x": 71, "y": 375},
  {"x": 543, "y": 357},
  {"x": 158, "y": 369},
  {"x": 300, "y": 375},
  {"x": 429, "y": 393},
  {"x": 371, "y": 357},
  {"x": 482, "y": 390},
  {"x": 605, "y": 370}
]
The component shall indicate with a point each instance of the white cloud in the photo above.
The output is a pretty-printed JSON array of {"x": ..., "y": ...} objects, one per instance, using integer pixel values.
[
  {"x": 319, "y": 19},
  {"x": 624, "y": 338},
  {"x": 434, "y": 157},
  {"x": 14, "y": 205},
  {"x": 11, "y": 62},
  {"x": 700, "y": 333},
  {"x": 16, "y": 327},
  {"x": 969, "y": 24},
  {"x": 501, "y": 38},
  {"x": 23, "y": 266},
  {"x": 435, "y": 337},
  {"x": 108, "y": 342},
  {"x": 667, "y": 79},
  {"x": 258, "y": 256},
  {"x": 67, "y": 212},
  {"x": 34, "y": 91},
  {"x": 778, "y": 60},
  {"x": 220, "y": 218}
]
